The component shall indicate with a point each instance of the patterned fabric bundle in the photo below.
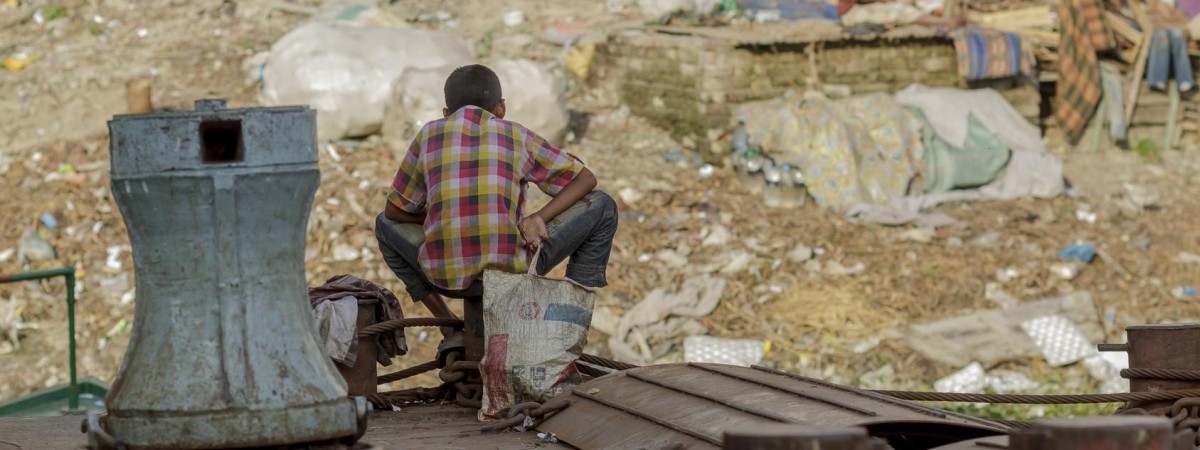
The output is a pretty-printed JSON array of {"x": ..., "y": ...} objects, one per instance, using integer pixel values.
[{"x": 984, "y": 54}]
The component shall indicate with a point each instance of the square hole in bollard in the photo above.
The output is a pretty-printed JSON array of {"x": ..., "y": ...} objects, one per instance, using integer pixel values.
[{"x": 221, "y": 141}]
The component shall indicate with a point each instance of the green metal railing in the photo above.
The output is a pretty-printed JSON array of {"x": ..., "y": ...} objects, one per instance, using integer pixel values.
[{"x": 69, "y": 274}]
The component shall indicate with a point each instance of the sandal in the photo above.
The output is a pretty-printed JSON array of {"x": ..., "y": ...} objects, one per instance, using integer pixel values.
[{"x": 445, "y": 348}]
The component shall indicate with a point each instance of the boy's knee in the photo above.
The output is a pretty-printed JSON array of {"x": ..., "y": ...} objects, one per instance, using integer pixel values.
[{"x": 603, "y": 200}]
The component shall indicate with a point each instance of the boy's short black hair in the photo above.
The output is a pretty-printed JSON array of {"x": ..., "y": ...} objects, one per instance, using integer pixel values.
[{"x": 474, "y": 85}]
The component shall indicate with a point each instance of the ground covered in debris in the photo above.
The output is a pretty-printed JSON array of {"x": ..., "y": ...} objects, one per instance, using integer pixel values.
[{"x": 833, "y": 299}]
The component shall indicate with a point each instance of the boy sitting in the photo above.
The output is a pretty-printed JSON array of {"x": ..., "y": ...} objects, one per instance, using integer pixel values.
[{"x": 456, "y": 207}]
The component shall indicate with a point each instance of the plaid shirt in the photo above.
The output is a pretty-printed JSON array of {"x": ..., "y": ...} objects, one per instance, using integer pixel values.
[{"x": 468, "y": 173}]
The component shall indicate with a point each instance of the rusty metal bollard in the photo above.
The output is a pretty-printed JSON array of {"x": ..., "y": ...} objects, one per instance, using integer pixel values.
[
  {"x": 1096, "y": 433},
  {"x": 363, "y": 378},
  {"x": 1160, "y": 347},
  {"x": 224, "y": 351},
  {"x": 783, "y": 436}
]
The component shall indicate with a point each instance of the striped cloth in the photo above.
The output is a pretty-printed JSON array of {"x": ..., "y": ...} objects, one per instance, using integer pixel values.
[
  {"x": 985, "y": 54},
  {"x": 1079, "y": 89},
  {"x": 468, "y": 173}
]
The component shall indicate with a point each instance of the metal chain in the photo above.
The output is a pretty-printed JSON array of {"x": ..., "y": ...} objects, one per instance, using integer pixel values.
[
  {"x": 1043, "y": 399},
  {"x": 524, "y": 416},
  {"x": 396, "y": 324},
  {"x": 1161, "y": 374}
]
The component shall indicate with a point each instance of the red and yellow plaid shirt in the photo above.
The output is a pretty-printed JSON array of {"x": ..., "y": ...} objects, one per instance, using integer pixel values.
[{"x": 468, "y": 172}]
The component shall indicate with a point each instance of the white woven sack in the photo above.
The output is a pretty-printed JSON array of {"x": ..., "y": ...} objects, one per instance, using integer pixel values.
[{"x": 536, "y": 328}]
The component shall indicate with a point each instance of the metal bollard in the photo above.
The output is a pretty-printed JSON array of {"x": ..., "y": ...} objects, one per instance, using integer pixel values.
[
  {"x": 1160, "y": 347},
  {"x": 1097, "y": 433},
  {"x": 783, "y": 436},
  {"x": 224, "y": 351}
]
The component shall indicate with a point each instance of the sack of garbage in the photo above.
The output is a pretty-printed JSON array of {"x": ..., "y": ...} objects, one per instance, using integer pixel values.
[
  {"x": 533, "y": 94},
  {"x": 536, "y": 328},
  {"x": 346, "y": 73}
]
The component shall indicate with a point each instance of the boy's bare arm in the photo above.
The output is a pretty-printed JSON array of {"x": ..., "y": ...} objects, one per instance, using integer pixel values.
[
  {"x": 533, "y": 227},
  {"x": 395, "y": 214}
]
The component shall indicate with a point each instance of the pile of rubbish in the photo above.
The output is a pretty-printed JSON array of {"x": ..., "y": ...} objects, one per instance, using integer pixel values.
[{"x": 883, "y": 159}]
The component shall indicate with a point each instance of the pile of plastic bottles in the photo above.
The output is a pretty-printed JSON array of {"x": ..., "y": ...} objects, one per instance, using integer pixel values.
[{"x": 782, "y": 185}]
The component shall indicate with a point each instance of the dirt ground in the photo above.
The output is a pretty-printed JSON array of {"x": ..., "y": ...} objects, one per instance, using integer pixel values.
[{"x": 54, "y": 159}]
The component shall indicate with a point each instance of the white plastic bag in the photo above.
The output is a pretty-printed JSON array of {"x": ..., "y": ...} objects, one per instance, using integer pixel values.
[
  {"x": 346, "y": 73},
  {"x": 534, "y": 97},
  {"x": 536, "y": 328}
]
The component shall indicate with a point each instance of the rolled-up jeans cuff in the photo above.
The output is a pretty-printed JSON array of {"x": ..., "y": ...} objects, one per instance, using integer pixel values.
[
  {"x": 587, "y": 275},
  {"x": 418, "y": 292}
]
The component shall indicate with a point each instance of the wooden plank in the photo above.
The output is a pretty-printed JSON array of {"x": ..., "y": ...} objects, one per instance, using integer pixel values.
[
  {"x": 1139, "y": 68},
  {"x": 1122, "y": 27},
  {"x": 418, "y": 427}
]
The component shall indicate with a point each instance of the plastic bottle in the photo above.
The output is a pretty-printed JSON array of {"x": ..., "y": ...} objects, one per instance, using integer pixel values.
[
  {"x": 797, "y": 188},
  {"x": 773, "y": 190}
]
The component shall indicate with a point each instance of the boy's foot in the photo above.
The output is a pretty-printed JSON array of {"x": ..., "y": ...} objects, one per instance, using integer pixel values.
[{"x": 451, "y": 343}]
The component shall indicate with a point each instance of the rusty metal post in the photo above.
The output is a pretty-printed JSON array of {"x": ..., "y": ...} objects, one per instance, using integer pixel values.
[
  {"x": 224, "y": 351},
  {"x": 783, "y": 436},
  {"x": 363, "y": 378},
  {"x": 1091, "y": 433},
  {"x": 473, "y": 335},
  {"x": 1160, "y": 347}
]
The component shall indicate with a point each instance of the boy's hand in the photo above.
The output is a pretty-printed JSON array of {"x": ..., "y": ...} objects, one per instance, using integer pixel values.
[{"x": 533, "y": 229}]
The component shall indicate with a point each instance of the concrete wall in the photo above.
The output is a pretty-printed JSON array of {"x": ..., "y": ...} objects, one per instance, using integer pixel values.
[{"x": 688, "y": 84}]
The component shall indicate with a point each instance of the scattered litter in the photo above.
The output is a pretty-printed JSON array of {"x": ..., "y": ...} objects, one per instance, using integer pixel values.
[
  {"x": 920, "y": 235},
  {"x": 112, "y": 262},
  {"x": 881, "y": 378},
  {"x": 672, "y": 258},
  {"x": 128, "y": 297},
  {"x": 705, "y": 171},
  {"x": 48, "y": 220},
  {"x": 1067, "y": 271},
  {"x": 709, "y": 349},
  {"x": 550, "y": 438},
  {"x": 993, "y": 292},
  {"x": 514, "y": 18},
  {"x": 345, "y": 252},
  {"x": 1084, "y": 214},
  {"x": 629, "y": 196},
  {"x": 1007, "y": 382},
  {"x": 1139, "y": 197},
  {"x": 837, "y": 269},
  {"x": 1058, "y": 338},
  {"x": 33, "y": 248},
  {"x": 1082, "y": 252},
  {"x": 19, "y": 61},
  {"x": 1007, "y": 274},
  {"x": 716, "y": 235},
  {"x": 1187, "y": 258},
  {"x": 643, "y": 333},
  {"x": 990, "y": 239},
  {"x": 1106, "y": 367},
  {"x": 800, "y": 254},
  {"x": 996, "y": 335},
  {"x": 969, "y": 379},
  {"x": 867, "y": 345},
  {"x": 7, "y": 254},
  {"x": 738, "y": 262},
  {"x": 115, "y": 285},
  {"x": 1185, "y": 292},
  {"x": 645, "y": 258}
]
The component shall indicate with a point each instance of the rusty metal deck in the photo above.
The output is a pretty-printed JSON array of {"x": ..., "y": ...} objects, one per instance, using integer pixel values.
[
  {"x": 693, "y": 404},
  {"x": 416, "y": 427}
]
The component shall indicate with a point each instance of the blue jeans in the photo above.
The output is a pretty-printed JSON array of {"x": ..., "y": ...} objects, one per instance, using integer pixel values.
[
  {"x": 584, "y": 232},
  {"x": 1168, "y": 49}
]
